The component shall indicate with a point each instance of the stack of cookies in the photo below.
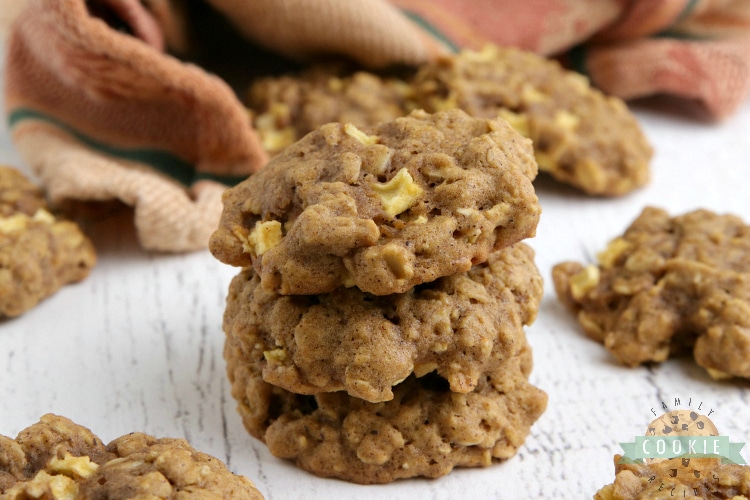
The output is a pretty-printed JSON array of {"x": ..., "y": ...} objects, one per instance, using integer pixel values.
[{"x": 375, "y": 331}]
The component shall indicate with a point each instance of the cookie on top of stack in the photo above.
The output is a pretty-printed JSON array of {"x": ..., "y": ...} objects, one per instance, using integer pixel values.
[{"x": 375, "y": 331}]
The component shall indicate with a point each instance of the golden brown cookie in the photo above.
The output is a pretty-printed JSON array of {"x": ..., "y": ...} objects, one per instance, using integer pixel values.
[
  {"x": 581, "y": 137},
  {"x": 385, "y": 209},
  {"x": 461, "y": 326},
  {"x": 425, "y": 430},
  {"x": 677, "y": 478},
  {"x": 666, "y": 286},
  {"x": 18, "y": 194},
  {"x": 58, "y": 459},
  {"x": 288, "y": 107},
  {"x": 38, "y": 252}
]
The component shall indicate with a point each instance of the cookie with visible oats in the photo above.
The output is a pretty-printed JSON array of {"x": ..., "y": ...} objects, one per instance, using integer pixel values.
[
  {"x": 384, "y": 209},
  {"x": 425, "y": 430},
  {"x": 581, "y": 137},
  {"x": 56, "y": 458},
  {"x": 668, "y": 285},
  {"x": 38, "y": 252},
  {"x": 288, "y": 107},
  {"x": 677, "y": 478},
  {"x": 461, "y": 326}
]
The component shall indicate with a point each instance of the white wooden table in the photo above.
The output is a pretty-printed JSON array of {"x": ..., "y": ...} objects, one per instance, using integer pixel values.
[{"x": 137, "y": 346}]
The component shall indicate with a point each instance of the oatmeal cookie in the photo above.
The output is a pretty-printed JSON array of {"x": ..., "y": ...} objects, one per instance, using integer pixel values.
[
  {"x": 403, "y": 203},
  {"x": 462, "y": 326},
  {"x": 18, "y": 194},
  {"x": 581, "y": 137},
  {"x": 425, "y": 430},
  {"x": 38, "y": 252},
  {"x": 288, "y": 107},
  {"x": 56, "y": 458},
  {"x": 677, "y": 478},
  {"x": 668, "y": 285}
]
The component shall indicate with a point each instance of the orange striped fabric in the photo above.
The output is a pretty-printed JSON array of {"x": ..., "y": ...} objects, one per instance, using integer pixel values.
[{"x": 694, "y": 49}]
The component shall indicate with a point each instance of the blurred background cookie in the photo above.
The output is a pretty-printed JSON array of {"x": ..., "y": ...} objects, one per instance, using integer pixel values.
[
  {"x": 286, "y": 108},
  {"x": 581, "y": 136},
  {"x": 39, "y": 253}
]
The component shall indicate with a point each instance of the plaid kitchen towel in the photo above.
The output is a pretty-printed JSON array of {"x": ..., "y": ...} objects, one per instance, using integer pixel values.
[{"x": 100, "y": 110}]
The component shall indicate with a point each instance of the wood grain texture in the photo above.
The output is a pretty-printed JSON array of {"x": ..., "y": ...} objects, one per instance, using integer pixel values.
[{"x": 137, "y": 346}]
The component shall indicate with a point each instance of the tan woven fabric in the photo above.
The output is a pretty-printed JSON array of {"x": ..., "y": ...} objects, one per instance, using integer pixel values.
[
  {"x": 372, "y": 32},
  {"x": 99, "y": 114}
]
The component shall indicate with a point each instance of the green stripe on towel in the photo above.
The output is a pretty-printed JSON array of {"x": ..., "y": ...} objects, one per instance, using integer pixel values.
[
  {"x": 171, "y": 165},
  {"x": 431, "y": 29}
]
